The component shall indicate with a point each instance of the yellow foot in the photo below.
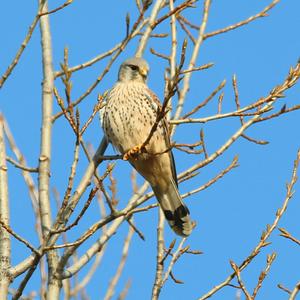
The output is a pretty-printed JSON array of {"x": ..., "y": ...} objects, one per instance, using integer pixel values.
[{"x": 134, "y": 152}]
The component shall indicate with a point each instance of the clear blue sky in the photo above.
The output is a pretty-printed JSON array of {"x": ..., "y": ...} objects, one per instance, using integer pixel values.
[{"x": 232, "y": 213}]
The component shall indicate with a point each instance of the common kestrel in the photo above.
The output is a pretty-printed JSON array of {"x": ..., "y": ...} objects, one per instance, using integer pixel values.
[{"x": 128, "y": 118}]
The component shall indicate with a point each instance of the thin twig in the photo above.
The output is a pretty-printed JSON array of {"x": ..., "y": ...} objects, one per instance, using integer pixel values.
[
  {"x": 203, "y": 143},
  {"x": 175, "y": 257},
  {"x": 184, "y": 27},
  {"x": 135, "y": 229},
  {"x": 90, "y": 62},
  {"x": 117, "y": 219},
  {"x": 280, "y": 286},
  {"x": 239, "y": 279},
  {"x": 112, "y": 285},
  {"x": 124, "y": 292},
  {"x": 176, "y": 10},
  {"x": 22, "y": 47},
  {"x": 233, "y": 164},
  {"x": 263, "y": 274},
  {"x": 68, "y": 2},
  {"x": 261, "y": 14},
  {"x": 223, "y": 148},
  {"x": 220, "y": 102},
  {"x": 80, "y": 215},
  {"x": 205, "y": 101},
  {"x": 265, "y": 235},
  {"x": 18, "y": 237},
  {"x": 187, "y": 77},
  {"x": 203, "y": 67},
  {"x": 20, "y": 166},
  {"x": 169, "y": 250},
  {"x": 166, "y": 57},
  {"x": 25, "y": 42},
  {"x": 284, "y": 233}
]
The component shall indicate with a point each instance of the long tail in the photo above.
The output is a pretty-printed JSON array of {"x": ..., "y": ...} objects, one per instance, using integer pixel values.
[{"x": 176, "y": 213}]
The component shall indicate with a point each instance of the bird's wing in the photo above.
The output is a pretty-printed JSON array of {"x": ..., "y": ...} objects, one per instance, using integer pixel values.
[
  {"x": 156, "y": 103},
  {"x": 102, "y": 109}
]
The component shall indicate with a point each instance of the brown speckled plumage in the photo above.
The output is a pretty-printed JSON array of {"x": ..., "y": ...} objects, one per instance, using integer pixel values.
[{"x": 129, "y": 115}]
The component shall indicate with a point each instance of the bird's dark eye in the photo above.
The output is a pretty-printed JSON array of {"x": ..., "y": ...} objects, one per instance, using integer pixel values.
[{"x": 133, "y": 67}]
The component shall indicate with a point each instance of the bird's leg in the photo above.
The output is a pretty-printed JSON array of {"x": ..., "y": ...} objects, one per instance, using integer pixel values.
[{"x": 134, "y": 152}]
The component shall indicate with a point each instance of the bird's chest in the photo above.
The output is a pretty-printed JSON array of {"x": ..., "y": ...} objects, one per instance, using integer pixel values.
[{"x": 128, "y": 118}]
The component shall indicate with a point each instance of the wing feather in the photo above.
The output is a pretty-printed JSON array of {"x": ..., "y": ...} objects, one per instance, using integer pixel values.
[{"x": 166, "y": 133}]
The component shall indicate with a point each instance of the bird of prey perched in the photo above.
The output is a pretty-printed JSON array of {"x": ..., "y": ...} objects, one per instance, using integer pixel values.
[{"x": 129, "y": 115}]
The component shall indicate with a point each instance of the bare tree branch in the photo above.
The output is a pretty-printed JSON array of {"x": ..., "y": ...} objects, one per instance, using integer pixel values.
[
  {"x": 159, "y": 257},
  {"x": 192, "y": 63},
  {"x": 261, "y": 14},
  {"x": 5, "y": 246},
  {"x": 295, "y": 291},
  {"x": 112, "y": 285},
  {"x": 265, "y": 235}
]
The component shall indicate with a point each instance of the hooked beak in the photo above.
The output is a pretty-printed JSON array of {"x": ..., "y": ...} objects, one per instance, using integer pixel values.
[{"x": 144, "y": 72}]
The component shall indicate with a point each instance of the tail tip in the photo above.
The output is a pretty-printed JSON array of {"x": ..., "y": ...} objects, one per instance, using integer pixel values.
[
  {"x": 180, "y": 221},
  {"x": 184, "y": 229}
]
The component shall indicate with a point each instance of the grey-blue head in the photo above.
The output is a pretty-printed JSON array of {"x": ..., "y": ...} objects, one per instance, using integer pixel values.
[{"x": 133, "y": 69}]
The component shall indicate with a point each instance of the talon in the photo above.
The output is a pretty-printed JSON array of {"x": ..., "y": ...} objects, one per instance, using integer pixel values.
[
  {"x": 126, "y": 156},
  {"x": 133, "y": 153}
]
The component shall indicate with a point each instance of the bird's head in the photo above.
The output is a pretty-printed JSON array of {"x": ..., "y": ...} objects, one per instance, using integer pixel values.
[{"x": 134, "y": 69}]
